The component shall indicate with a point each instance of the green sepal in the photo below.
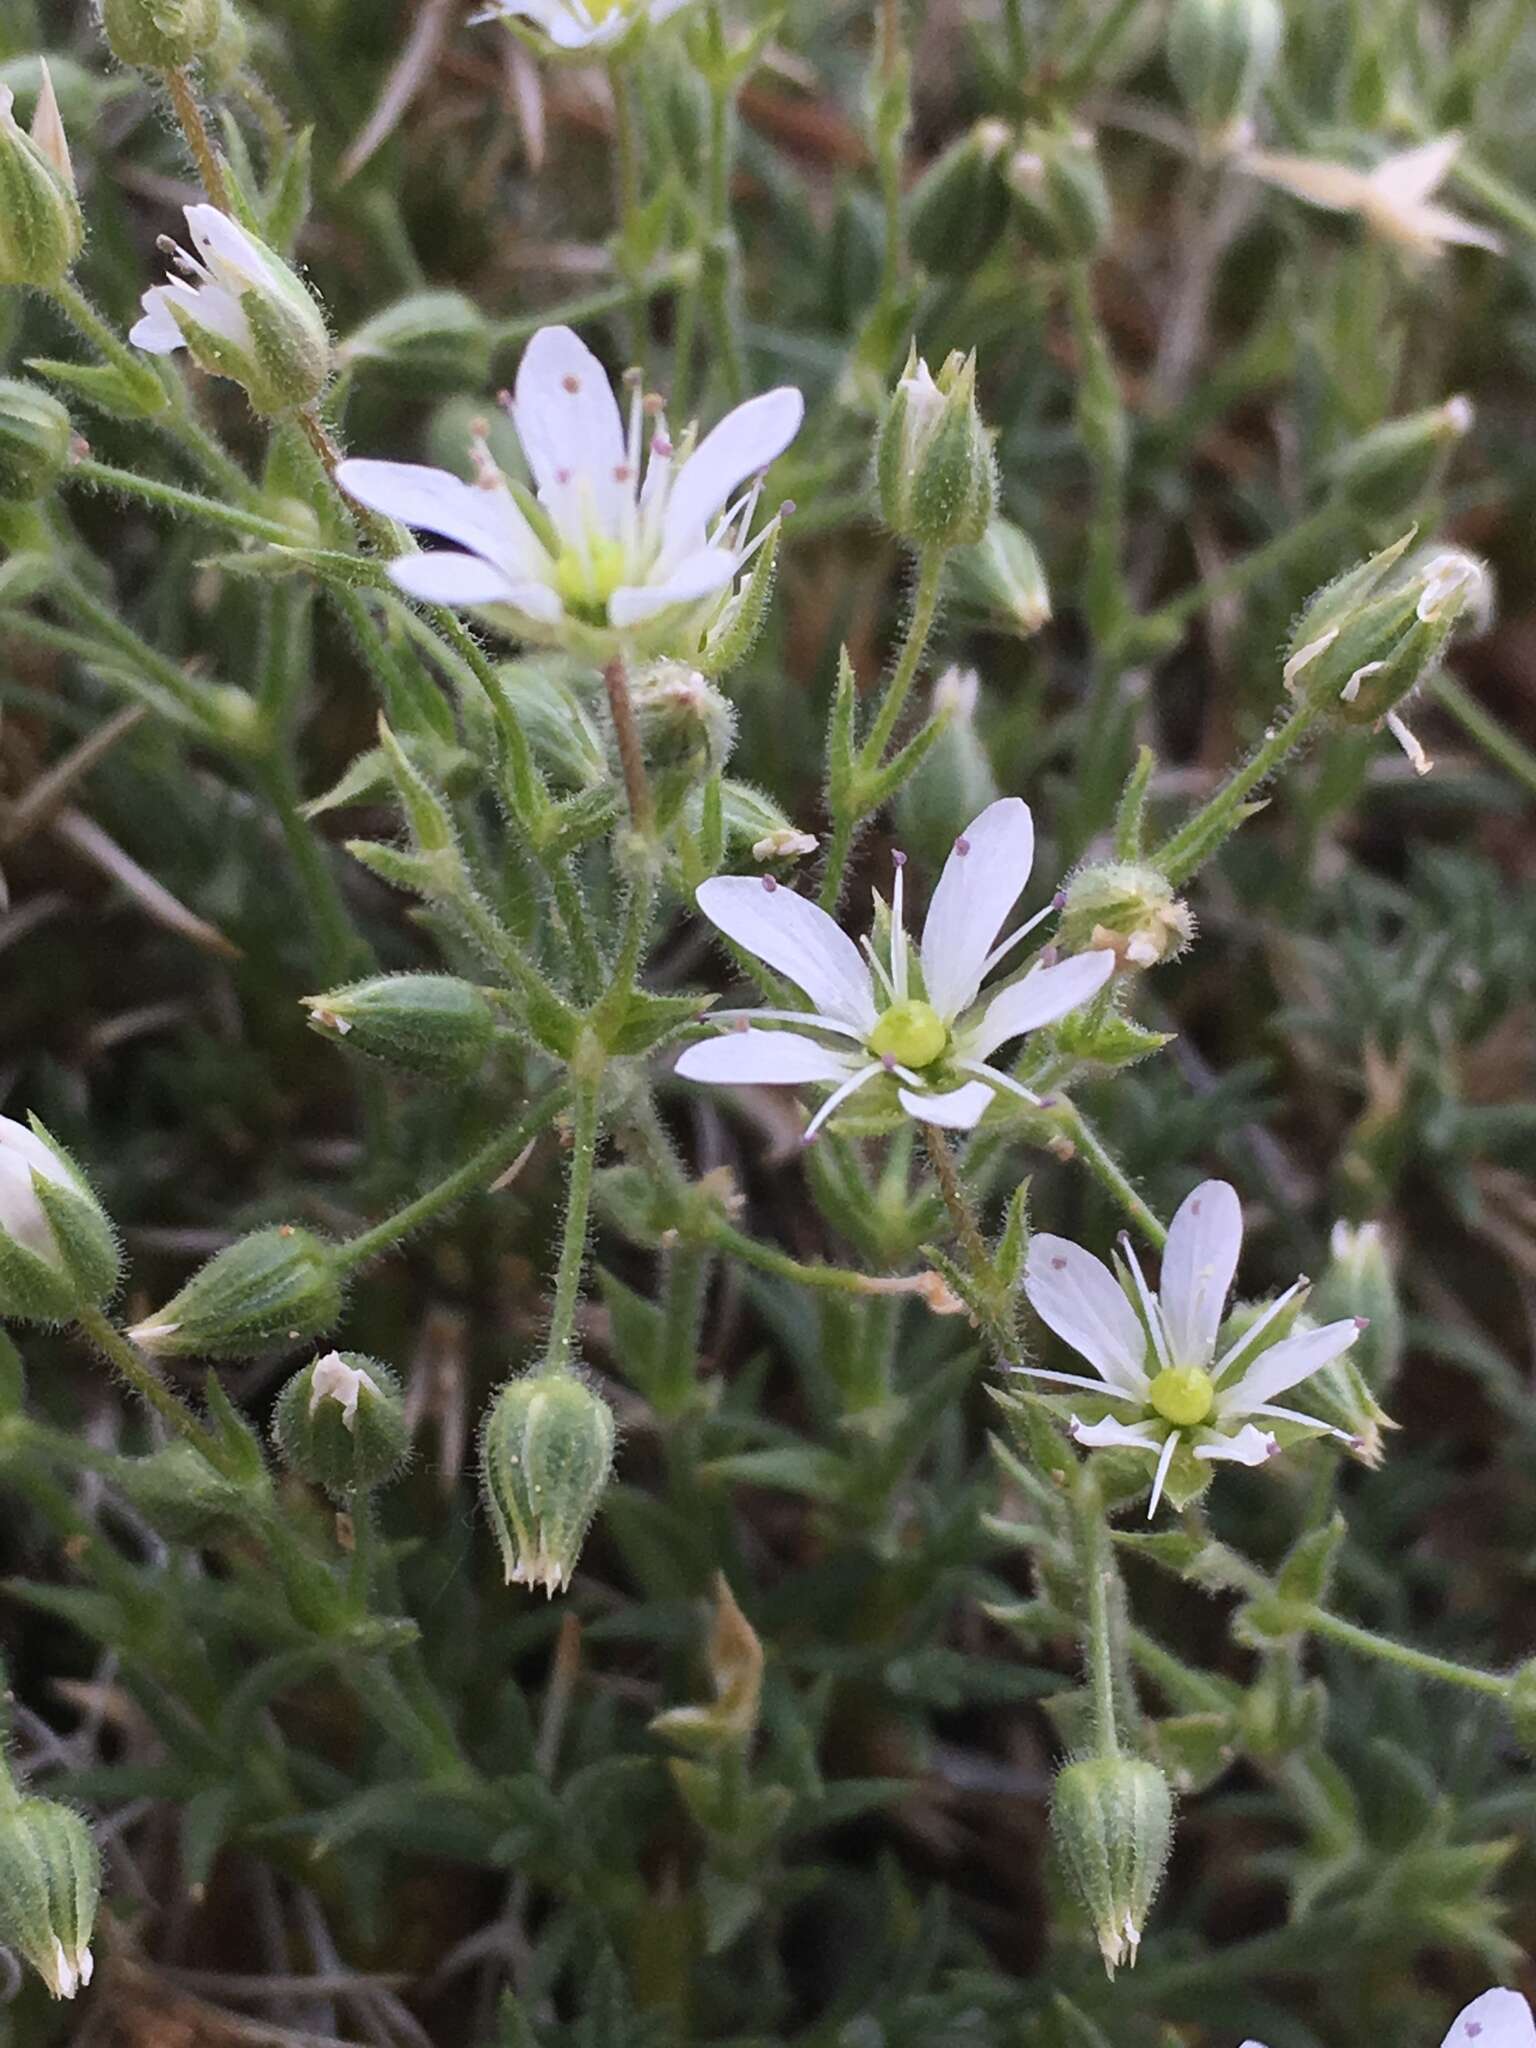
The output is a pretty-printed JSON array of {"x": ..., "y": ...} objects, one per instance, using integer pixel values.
[
  {"x": 264, "y": 1291},
  {"x": 106, "y": 386}
]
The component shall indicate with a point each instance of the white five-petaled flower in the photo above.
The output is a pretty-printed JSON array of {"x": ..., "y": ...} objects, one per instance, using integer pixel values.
[
  {"x": 916, "y": 1017},
  {"x": 1155, "y": 1354},
  {"x": 334, "y": 1380},
  {"x": 633, "y": 541},
  {"x": 582, "y": 25},
  {"x": 1393, "y": 199},
  {"x": 1499, "y": 2019}
]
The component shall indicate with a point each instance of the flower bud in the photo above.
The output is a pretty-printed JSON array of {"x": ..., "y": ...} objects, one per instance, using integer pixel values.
[
  {"x": 933, "y": 463},
  {"x": 1129, "y": 908},
  {"x": 954, "y": 782},
  {"x": 265, "y": 1291},
  {"x": 1220, "y": 54},
  {"x": 340, "y": 1423},
  {"x": 50, "y": 1881},
  {"x": 1366, "y": 642},
  {"x": 180, "y": 1494},
  {"x": 160, "y": 35},
  {"x": 1002, "y": 575},
  {"x": 431, "y": 1024},
  {"x": 35, "y": 436},
  {"x": 429, "y": 342},
  {"x": 1386, "y": 471},
  {"x": 684, "y": 721},
  {"x": 223, "y": 62},
  {"x": 1112, "y": 1819},
  {"x": 41, "y": 228},
  {"x": 1060, "y": 199},
  {"x": 1360, "y": 1280},
  {"x": 959, "y": 206},
  {"x": 58, "y": 1250},
  {"x": 545, "y": 1457}
]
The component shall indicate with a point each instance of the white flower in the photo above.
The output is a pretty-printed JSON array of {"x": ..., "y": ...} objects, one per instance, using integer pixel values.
[
  {"x": 1499, "y": 2019},
  {"x": 1393, "y": 200},
  {"x": 334, "y": 1380},
  {"x": 22, "y": 1154},
  {"x": 64, "y": 1973},
  {"x": 917, "y": 1018},
  {"x": 632, "y": 539},
  {"x": 1156, "y": 1353},
  {"x": 582, "y": 25}
]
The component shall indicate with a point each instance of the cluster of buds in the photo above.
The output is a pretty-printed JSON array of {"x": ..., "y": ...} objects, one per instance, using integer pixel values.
[
  {"x": 340, "y": 1423},
  {"x": 545, "y": 1456},
  {"x": 50, "y": 1881},
  {"x": 41, "y": 226},
  {"x": 266, "y": 1290},
  {"x": 933, "y": 463},
  {"x": 1129, "y": 908},
  {"x": 1112, "y": 1821},
  {"x": 58, "y": 1250},
  {"x": 1220, "y": 55},
  {"x": 430, "y": 1024}
]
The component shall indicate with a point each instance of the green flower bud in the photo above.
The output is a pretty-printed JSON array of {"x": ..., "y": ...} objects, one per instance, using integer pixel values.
[
  {"x": 1003, "y": 577},
  {"x": 1388, "y": 470},
  {"x": 933, "y": 462},
  {"x": 340, "y": 1423},
  {"x": 1112, "y": 1819},
  {"x": 955, "y": 782},
  {"x": 1360, "y": 1280},
  {"x": 432, "y": 1024},
  {"x": 1060, "y": 199},
  {"x": 687, "y": 730},
  {"x": 1522, "y": 1706},
  {"x": 35, "y": 436},
  {"x": 1367, "y": 641},
  {"x": 427, "y": 343},
  {"x": 58, "y": 1250},
  {"x": 223, "y": 63},
  {"x": 545, "y": 1456},
  {"x": 41, "y": 228},
  {"x": 160, "y": 35},
  {"x": 1220, "y": 54},
  {"x": 1129, "y": 908},
  {"x": 265, "y": 1291},
  {"x": 960, "y": 204},
  {"x": 50, "y": 1881},
  {"x": 180, "y": 1495}
]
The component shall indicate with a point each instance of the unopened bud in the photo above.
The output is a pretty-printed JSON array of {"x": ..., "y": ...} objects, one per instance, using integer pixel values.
[
  {"x": 959, "y": 206},
  {"x": 427, "y": 343},
  {"x": 1002, "y": 575},
  {"x": 58, "y": 1250},
  {"x": 1360, "y": 1280},
  {"x": 340, "y": 1423},
  {"x": 160, "y": 35},
  {"x": 933, "y": 464},
  {"x": 1112, "y": 1820},
  {"x": 50, "y": 1881},
  {"x": 1060, "y": 199},
  {"x": 954, "y": 782},
  {"x": 41, "y": 227},
  {"x": 1388, "y": 470},
  {"x": 545, "y": 1457},
  {"x": 265, "y": 1291},
  {"x": 1220, "y": 55},
  {"x": 1129, "y": 908},
  {"x": 685, "y": 723},
  {"x": 431, "y": 1024},
  {"x": 35, "y": 436}
]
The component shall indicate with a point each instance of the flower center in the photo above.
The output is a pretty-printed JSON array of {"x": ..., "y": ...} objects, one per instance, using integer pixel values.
[
  {"x": 587, "y": 577},
  {"x": 911, "y": 1033},
  {"x": 1183, "y": 1395}
]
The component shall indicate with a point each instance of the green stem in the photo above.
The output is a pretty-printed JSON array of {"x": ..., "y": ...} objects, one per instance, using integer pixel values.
[
  {"x": 626, "y": 164},
  {"x": 925, "y": 604},
  {"x": 1296, "y": 541},
  {"x": 83, "y": 316},
  {"x": 142, "y": 1376},
  {"x": 996, "y": 1309},
  {"x": 1102, "y": 427},
  {"x": 1096, "y": 1569},
  {"x": 1194, "y": 842},
  {"x": 1510, "y": 206},
  {"x": 190, "y": 116},
  {"x": 120, "y": 636},
  {"x": 341, "y": 951},
  {"x": 893, "y": 118},
  {"x": 719, "y": 255},
  {"x": 172, "y": 498},
  {"x": 768, "y": 1259},
  {"x": 573, "y": 1242},
  {"x": 1333, "y": 1628},
  {"x": 642, "y": 812},
  {"x": 1107, "y": 1170},
  {"x": 595, "y": 305},
  {"x": 1494, "y": 738}
]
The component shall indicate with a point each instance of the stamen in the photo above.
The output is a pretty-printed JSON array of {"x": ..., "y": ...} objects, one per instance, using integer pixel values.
[
  {"x": 1000, "y": 952},
  {"x": 1418, "y": 759},
  {"x": 877, "y": 964},
  {"x": 836, "y": 1099},
  {"x": 898, "y": 930},
  {"x": 1165, "y": 1459},
  {"x": 1150, "y": 1307},
  {"x": 1235, "y": 1350},
  {"x": 996, "y": 1078}
]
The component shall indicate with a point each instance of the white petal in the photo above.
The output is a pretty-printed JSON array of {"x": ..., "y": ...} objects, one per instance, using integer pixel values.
[
  {"x": 958, "y": 1110},
  {"x": 568, "y": 422},
  {"x": 226, "y": 248},
  {"x": 1499, "y": 2019},
  {"x": 1077, "y": 1296},
  {"x": 156, "y": 330},
  {"x": 1409, "y": 177},
  {"x": 1249, "y": 1446},
  {"x": 1340, "y": 187},
  {"x": 487, "y": 522},
  {"x": 1439, "y": 224},
  {"x": 451, "y": 578},
  {"x": 701, "y": 575},
  {"x": 795, "y": 938},
  {"x": 1165, "y": 1458},
  {"x": 1199, "y": 1261},
  {"x": 745, "y": 443},
  {"x": 1285, "y": 1364},
  {"x": 1112, "y": 1435},
  {"x": 1044, "y": 994},
  {"x": 780, "y": 1058},
  {"x": 976, "y": 891}
]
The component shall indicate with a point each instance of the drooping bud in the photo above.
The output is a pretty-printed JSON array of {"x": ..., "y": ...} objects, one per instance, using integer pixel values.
[
  {"x": 1360, "y": 1280},
  {"x": 1388, "y": 470},
  {"x": 426, "y": 343},
  {"x": 1002, "y": 575},
  {"x": 959, "y": 206},
  {"x": 1112, "y": 1820},
  {"x": 41, "y": 227},
  {"x": 1366, "y": 642},
  {"x": 160, "y": 35},
  {"x": 1060, "y": 199},
  {"x": 1220, "y": 55},
  {"x": 1128, "y": 907},
  {"x": 955, "y": 782},
  {"x": 58, "y": 1250},
  {"x": 35, "y": 436},
  {"x": 431, "y": 1024},
  {"x": 545, "y": 1456},
  {"x": 50, "y": 1881},
  {"x": 933, "y": 463},
  {"x": 264, "y": 1291},
  {"x": 340, "y": 1423}
]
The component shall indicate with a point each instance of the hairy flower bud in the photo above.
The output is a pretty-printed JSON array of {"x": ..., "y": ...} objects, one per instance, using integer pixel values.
[
  {"x": 1360, "y": 1280},
  {"x": 58, "y": 1250},
  {"x": 545, "y": 1456},
  {"x": 340, "y": 1423},
  {"x": 1220, "y": 55},
  {"x": 160, "y": 35},
  {"x": 41, "y": 227},
  {"x": 266, "y": 1290},
  {"x": 955, "y": 782},
  {"x": 933, "y": 463},
  {"x": 50, "y": 1880},
  {"x": 35, "y": 435},
  {"x": 1112, "y": 1820},
  {"x": 1002, "y": 575},
  {"x": 959, "y": 206},
  {"x": 1060, "y": 199},
  {"x": 687, "y": 730},
  {"x": 431, "y": 1024},
  {"x": 429, "y": 342},
  {"x": 1386, "y": 471},
  {"x": 1128, "y": 907}
]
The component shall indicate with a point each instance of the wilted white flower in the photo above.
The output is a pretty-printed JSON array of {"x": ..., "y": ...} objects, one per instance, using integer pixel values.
[
  {"x": 1393, "y": 199},
  {"x": 334, "y": 1380},
  {"x": 785, "y": 843},
  {"x": 1499, "y": 2019},
  {"x": 1155, "y": 1354},
  {"x": 23, "y": 1153},
  {"x": 582, "y": 25},
  {"x": 918, "y": 1018}
]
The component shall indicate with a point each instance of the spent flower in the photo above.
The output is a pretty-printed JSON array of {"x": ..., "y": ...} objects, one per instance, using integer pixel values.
[
  {"x": 1394, "y": 200},
  {"x": 50, "y": 1880}
]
